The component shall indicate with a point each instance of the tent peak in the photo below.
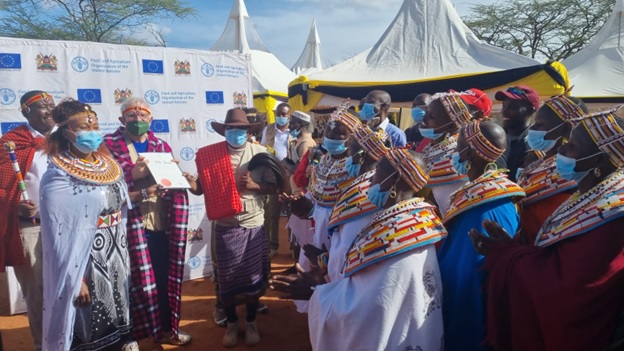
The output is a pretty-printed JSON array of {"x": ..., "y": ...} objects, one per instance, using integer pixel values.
[
  {"x": 239, "y": 34},
  {"x": 312, "y": 57}
]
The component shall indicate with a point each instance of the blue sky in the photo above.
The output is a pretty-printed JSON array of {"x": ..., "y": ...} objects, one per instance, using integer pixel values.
[{"x": 346, "y": 27}]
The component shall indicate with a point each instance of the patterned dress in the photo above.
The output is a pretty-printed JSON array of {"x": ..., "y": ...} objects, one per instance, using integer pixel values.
[{"x": 83, "y": 228}]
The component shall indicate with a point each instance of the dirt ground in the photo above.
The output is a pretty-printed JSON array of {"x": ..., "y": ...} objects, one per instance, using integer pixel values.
[{"x": 283, "y": 328}]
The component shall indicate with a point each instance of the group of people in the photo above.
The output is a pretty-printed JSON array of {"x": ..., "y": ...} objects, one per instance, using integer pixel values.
[
  {"x": 99, "y": 247},
  {"x": 476, "y": 235},
  {"x": 460, "y": 233}
]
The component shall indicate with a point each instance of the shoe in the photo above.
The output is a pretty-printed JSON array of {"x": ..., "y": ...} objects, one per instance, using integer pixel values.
[
  {"x": 251, "y": 334},
  {"x": 272, "y": 253},
  {"x": 220, "y": 318},
  {"x": 130, "y": 346},
  {"x": 182, "y": 339},
  {"x": 230, "y": 339},
  {"x": 262, "y": 308}
]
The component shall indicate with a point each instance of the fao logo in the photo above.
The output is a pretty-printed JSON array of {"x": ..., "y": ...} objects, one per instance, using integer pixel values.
[
  {"x": 187, "y": 153},
  {"x": 194, "y": 262},
  {"x": 207, "y": 70},
  {"x": 80, "y": 64},
  {"x": 152, "y": 97},
  {"x": 209, "y": 125},
  {"x": 7, "y": 96}
]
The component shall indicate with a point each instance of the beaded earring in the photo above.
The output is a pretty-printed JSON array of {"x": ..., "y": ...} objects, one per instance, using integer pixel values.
[
  {"x": 468, "y": 165},
  {"x": 597, "y": 172},
  {"x": 393, "y": 192}
]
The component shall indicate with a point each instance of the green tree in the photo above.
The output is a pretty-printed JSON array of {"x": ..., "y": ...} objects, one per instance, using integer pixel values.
[
  {"x": 108, "y": 21},
  {"x": 554, "y": 29}
]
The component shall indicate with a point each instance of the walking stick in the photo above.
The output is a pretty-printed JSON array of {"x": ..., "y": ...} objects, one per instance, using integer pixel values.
[{"x": 10, "y": 148}]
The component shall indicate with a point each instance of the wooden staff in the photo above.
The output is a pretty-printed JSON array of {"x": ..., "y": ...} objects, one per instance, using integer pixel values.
[{"x": 10, "y": 148}]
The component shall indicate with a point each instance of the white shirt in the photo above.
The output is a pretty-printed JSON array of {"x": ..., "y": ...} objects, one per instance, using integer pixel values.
[
  {"x": 383, "y": 125},
  {"x": 281, "y": 142},
  {"x": 37, "y": 168}
]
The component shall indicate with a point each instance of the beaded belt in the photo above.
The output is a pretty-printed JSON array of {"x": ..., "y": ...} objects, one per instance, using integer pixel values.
[{"x": 109, "y": 220}]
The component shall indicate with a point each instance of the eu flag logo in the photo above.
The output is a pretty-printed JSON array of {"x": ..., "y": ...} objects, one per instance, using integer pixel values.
[
  {"x": 153, "y": 66},
  {"x": 9, "y": 126},
  {"x": 90, "y": 96},
  {"x": 10, "y": 61},
  {"x": 160, "y": 126},
  {"x": 214, "y": 97}
]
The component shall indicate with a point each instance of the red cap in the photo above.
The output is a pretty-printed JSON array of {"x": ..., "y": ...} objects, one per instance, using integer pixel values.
[
  {"x": 520, "y": 92},
  {"x": 478, "y": 99}
]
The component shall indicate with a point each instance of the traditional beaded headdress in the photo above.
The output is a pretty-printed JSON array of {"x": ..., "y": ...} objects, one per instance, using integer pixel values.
[
  {"x": 403, "y": 161},
  {"x": 606, "y": 133},
  {"x": 343, "y": 116},
  {"x": 88, "y": 113},
  {"x": 479, "y": 143},
  {"x": 372, "y": 142},
  {"x": 455, "y": 107},
  {"x": 41, "y": 96},
  {"x": 566, "y": 109}
]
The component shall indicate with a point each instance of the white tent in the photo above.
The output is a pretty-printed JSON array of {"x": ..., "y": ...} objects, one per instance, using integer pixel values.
[
  {"x": 597, "y": 71},
  {"x": 312, "y": 58},
  {"x": 270, "y": 76},
  {"x": 427, "y": 42}
]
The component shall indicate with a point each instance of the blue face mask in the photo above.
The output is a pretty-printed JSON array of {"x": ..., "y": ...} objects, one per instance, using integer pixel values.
[
  {"x": 378, "y": 197},
  {"x": 536, "y": 140},
  {"x": 461, "y": 167},
  {"x": 87, "y": 141},
  {"x": 566, "y": 165},
  {"x": 518, "y": 172},
  {"x": 295, "y": 133},
  {"x": 236, "y": 137},
  {"x": 281, "y": 121},
  {"x": 429, "y": 133},
  {"x": 368, "y": 112},
  {"x": 353, "y": 169},
  {"x": 418, "y": 114},
  {"x": 334, "y": 147}
]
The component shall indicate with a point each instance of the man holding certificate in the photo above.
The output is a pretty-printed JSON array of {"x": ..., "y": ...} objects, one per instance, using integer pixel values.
[{"x": 157, "y": 228}]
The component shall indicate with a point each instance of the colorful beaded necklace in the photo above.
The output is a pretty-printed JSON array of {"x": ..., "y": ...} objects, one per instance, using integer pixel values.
[{"x": 104, "y": 171}]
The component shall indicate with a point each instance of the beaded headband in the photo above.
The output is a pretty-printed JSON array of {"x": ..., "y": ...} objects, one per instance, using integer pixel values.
[
  {"x": 343, "y": 116},
  {"x": 482, "y": 147},
  {"x": 136, "y": 108},
  {"x": 403, "y": 161},
  {"x": 42, "y": 96},
  {"x": 606, "y": 134},
  {"x": 454, "y": 107},
  {"x": 566, "y": 109},
  {"x": 372, "y": 142},
  {"x": 88, "y": 113}
]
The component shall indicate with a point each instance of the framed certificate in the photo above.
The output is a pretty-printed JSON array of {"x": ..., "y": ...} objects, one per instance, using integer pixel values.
[{"x": 165, "y": 172}]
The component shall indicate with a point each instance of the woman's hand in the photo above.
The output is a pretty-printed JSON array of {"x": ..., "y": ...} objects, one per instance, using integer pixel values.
[
  {"x": 484, "y": 243},
  {"x": 84, "y": 297},
  {"x": 298, "y": 286},
  {"x": 192, "y": 180},
  {"x": 248, "y": 183},
  {"x": 312, "y": 253}
]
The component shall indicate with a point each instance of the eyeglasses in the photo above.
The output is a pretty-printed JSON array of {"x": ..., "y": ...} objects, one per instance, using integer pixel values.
[{"x": 517, "y": 91}]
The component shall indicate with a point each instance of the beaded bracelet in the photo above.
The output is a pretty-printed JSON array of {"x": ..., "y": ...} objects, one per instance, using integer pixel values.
[{"x": 144, "y": 194}]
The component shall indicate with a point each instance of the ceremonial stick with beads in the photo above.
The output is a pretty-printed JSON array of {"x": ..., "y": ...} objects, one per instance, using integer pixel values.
[{"x": 10, "y": 148}]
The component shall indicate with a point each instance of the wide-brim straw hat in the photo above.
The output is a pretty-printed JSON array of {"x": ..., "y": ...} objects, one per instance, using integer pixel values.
[{"x": 236, "y": 117}]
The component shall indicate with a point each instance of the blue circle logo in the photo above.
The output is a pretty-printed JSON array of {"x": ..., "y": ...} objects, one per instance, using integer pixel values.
[
  {"x": 152, "y": 97},
  {"x": 80, "y": 64},
  {"x": 194, "y": 262},
  {"x": 187, "y": 153},
  {"x": 7, "y": 96},
  {"x": 209, "y": 125},
  {"x": 207, "y": 70}
]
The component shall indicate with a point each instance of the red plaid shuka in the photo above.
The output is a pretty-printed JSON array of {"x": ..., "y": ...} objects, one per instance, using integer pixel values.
[
  {"x": 216, "y": 177},
  {"x": 143, "y": 295},
  {"x": 11, "y": 249}
]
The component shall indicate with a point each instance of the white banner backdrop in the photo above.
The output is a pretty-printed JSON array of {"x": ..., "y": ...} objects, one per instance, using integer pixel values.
[{"x": 187, "y": 89}]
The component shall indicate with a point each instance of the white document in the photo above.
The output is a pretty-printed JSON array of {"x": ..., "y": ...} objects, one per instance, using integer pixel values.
[{"x": 166, "y": 172}]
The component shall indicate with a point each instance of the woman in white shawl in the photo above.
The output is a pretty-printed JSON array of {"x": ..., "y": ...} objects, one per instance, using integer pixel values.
[
  {"x": 391, "y": 295},
  {"x": 83, "y": 231}
]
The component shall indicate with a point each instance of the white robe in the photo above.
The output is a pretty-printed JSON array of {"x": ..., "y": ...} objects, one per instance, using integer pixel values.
[
  {"x": 395, "y": 304},
  {"x": 341, "y": 241}
]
